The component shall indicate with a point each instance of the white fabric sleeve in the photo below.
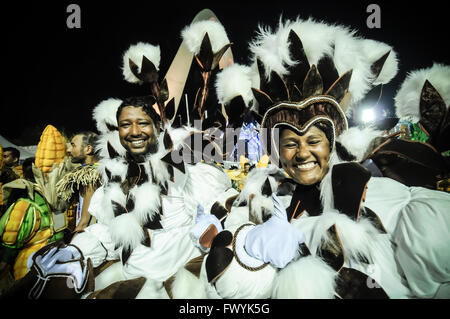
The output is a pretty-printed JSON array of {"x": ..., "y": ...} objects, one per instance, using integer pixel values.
[
  {"x": 95, "y": 243},
  {"x": 422, "y": 236}
]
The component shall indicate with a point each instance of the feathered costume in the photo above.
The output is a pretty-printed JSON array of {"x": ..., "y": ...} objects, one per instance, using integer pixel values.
[{"x": 388, "y": 243}]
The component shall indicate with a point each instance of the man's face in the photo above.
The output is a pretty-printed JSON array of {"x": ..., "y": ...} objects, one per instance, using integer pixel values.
[
  {"x": 76, "y": 150},
  {"x": 246, "y": 168},
  {"x": 9, "y": 160},
  {"x": 305, "y": 157},
  {"x": 136, "y": 131}
]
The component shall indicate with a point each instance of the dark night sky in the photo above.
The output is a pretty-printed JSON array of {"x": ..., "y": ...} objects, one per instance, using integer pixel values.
[{"x": 56, "y": 75}]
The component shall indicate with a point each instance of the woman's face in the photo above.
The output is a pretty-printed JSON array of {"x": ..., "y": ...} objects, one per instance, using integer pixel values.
[{"x": 305, "y": 157}]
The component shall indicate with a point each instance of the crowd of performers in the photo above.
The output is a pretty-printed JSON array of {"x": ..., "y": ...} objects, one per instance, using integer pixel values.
[{"x": 329, "y": 209}]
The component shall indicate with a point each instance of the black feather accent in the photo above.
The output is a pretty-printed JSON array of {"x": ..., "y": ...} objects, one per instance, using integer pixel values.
[
  {"x": 377, "y": 66},
  {"x": 111, "y": 127},
  {"x": 168, "y": 160},
  {"x": 340, "y": 87},
  {"x": 218, "y": 259},
  {"x": 147, "y": 239},
  {"x": 149, "y": 73},
  {"x": 327, "y": 71},
  {"x": 111, "y": 151},
  {"x": 218, "y": 55},
  {"x": 264, "y": 101},
  {"x": 312, "y": 85},
  {"x": 353, "y": 284},
  {"x": 332, "y": 251},
  {"x": 108, "y": 173},
  {"x": 432, "y": 109},
  {"x": 223, "y": 239},
  {"x": 343, "y": 153},
  {"x": 130, "y": 203},
  {"x": 205, "y": 56},
  {"x": 154, "y": 223},
  {"x": 168, "y": 143},
  {"x": 218, "y": 210},
  {"x": 169, "y": 110},
  {"x": 235, "y": 110},
  {"x": 298, "y": 71},
  {"x": 266, "y": 189},
  {"x": 126, "y": 253},
  {"x": 118, "y": 209}
]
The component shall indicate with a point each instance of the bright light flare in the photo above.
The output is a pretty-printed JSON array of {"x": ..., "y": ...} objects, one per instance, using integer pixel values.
[{"x": 368, "y": 115}]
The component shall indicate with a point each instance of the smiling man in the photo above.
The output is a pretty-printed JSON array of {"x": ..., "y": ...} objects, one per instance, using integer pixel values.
[{"x": 137, "y": 128}]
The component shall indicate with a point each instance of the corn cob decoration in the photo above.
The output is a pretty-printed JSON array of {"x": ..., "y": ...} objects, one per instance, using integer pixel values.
[{"x": 51, "y": 149}]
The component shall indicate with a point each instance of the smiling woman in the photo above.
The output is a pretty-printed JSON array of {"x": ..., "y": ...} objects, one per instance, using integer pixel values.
[{"x": 305, "y": 157}]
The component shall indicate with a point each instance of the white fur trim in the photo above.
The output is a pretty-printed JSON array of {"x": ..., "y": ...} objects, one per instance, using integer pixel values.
[
  {"x": 233, "y": 81},
  {"x": 307, "y": 278},
  {"x": 407, "y": 99},
  {"x": 194, "y": 33},
  {"x": 187, "y": 286},
  {"x": 105, "y": 113},
  {"x": 126, "y": 231},
  {"x": 147, "y": 201},
  {"x": 326, "y": 188},
  {"x": 357, "y": 140},
  {"x": 114, "y": 140},
  {"x": 359, "y": 239},
  {"x": 135, "y": 53},
  {"x": 255, "y": 181},
  {"x": 375, "y": 50},
  {"x": 116, "y": 166}
]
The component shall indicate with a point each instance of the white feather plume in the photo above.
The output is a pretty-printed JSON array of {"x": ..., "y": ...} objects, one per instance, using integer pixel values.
[
  {"x": 126, "y": 231},
  {"x": 407, "y": 99},
  {"x": 233, "y": 81},
  {"x": 307, "y": 278},
  {"x": 373, "y": 50},
  {"x": 147, "y": 201},
  {"x": 194, "y": 33},
  {"x": 319, "y": 39},
  {"x": 358, "y": 238},
  {"x": 357, "y": 140},
  {"x": 102, "y": 144},
  {"x": 135, "y": 54},
  {"x": 105, "y": 113}
]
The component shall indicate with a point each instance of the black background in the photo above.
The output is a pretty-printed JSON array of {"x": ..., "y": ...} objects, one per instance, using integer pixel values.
[{"x": 56, "y": 75}]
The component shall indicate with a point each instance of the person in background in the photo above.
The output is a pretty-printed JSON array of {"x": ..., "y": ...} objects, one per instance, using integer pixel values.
[{"x": 78, "y": 186}]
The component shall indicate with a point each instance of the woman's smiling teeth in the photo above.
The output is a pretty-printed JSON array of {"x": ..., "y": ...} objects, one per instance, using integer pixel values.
[{"x": 306, "y": 166}]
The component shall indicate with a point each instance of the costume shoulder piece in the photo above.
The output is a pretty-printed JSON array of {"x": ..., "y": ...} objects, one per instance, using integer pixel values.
[{"x": 72, "y": 182}]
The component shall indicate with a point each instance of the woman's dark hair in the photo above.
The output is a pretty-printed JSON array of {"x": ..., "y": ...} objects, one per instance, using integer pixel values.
[
  {"x": 145, "y": 102},
  {"x": 324, "y": 126}
]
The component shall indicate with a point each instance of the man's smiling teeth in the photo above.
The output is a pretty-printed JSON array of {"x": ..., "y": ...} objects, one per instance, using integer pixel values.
[
  {"x": 137, "y": 143},
  {"x": 306, "y": 165}
]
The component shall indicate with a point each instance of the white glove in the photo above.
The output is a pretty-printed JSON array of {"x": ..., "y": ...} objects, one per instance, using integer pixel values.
[
  {"x": 66, "y": 260},
  {"x": 202, "y": 222},
  {"x": 276, "y": 241}
]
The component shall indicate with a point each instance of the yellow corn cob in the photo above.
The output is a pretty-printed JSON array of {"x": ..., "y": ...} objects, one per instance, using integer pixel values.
[
  {"x": 15, "y": 221},
  {"x": 42, "y": 235},
  {"x": 20, "y": 265},
  {"x": 51, "y": 149}
]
